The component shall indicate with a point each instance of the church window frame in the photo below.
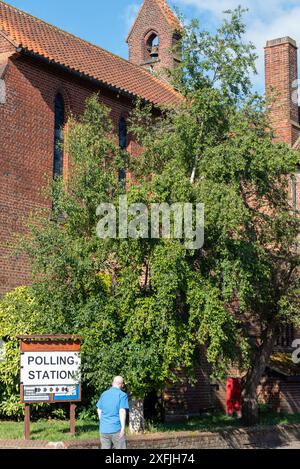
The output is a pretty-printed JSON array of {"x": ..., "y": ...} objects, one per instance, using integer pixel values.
[
  {"x": 295, "y": 183},
  {"x": 123, "y": 135},
  {"x": 59, "y": 122}
]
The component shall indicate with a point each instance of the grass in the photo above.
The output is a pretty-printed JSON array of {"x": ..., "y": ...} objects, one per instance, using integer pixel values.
[
  {"x": 220, "y": 421},
  {"x": 204, "y": 423},
  {"x": 58, "y": 430},
  {"x": 49, "y": 430},
  {"x": 273, "y": 418}
]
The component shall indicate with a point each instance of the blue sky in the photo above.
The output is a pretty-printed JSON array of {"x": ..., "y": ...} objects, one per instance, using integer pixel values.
[
  {"x": 107, "y": 23},
  {"x": 102, "y": 22}
]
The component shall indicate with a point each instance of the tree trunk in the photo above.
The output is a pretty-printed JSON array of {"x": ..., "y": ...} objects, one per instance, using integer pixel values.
[
  {"x": 136, "y": 416},
  {"x": 250, "y": 411},
  {"x": 249, "y": 395}
]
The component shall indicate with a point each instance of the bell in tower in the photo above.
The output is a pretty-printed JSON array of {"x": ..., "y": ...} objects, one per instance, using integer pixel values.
[
  {"x": 153, "y": 47},
  {"x": 153, "y": 35}
]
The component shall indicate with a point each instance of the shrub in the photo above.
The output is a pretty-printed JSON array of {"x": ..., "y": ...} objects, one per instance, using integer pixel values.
[{"x": 19, "y": 315}]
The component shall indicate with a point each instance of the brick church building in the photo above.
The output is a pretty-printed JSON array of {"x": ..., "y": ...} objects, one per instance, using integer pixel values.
[{"x": 47, "y": 73}]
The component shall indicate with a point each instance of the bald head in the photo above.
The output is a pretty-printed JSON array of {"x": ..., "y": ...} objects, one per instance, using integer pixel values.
[{"x": 118, "y": 382}]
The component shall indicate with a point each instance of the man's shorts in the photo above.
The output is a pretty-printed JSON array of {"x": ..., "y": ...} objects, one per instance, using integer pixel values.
[{"x": 112, "y": 440}]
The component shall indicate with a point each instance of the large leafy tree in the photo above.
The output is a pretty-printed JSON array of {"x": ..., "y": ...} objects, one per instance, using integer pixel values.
[
  {"x": 246, "y": 277},
  {"x": 142, "y": 305},
  {"x": 125, "y": 297}
]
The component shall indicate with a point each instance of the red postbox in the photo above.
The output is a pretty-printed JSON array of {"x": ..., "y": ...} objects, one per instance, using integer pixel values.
[{"x": 233, "y": 396}]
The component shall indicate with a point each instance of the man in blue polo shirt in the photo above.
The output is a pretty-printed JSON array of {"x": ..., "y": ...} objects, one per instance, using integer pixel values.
[{"x": 112, "y": 407}]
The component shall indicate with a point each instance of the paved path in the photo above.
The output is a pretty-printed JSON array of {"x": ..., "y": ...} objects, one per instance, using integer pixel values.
[
  {"x": 295, "y": 445},
  {"x": 94, "y": 444},
  {"x": 292, "y": 445},
  {"x": 32, "y": 444}
]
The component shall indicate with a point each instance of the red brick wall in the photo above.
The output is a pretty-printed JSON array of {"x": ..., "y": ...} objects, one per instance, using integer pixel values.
[
  {"x": 282, "y": 395},
  {"x": 281, "y": 73},
  {"x": 185, "y": 400},
  {"x": 151, "y": 19},
  {"x": 26, "y": 152}
]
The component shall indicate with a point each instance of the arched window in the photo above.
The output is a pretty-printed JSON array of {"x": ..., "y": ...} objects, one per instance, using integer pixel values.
[
  {"x": 122, "y": 133},
  {"x": 286, "y": 336},
  {"x": 59, "y": 120},
  {"x": 295, "y": 180},
  {"x": 177, "y": 47},
  {"x": 152, "y": 48},
  {"x": 123, "y": 146}
]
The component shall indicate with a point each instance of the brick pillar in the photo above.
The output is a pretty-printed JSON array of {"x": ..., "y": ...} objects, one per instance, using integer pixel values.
[{"x": 281, "y": 75}]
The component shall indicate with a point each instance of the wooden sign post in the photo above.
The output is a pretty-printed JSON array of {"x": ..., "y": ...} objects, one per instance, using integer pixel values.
[
  {"x": 27, "y": 422},
  {"x": 72, "y": 419},
  {"x": 50, "y": 373}
]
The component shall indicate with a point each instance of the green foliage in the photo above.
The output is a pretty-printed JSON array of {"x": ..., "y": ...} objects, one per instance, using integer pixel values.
[
  {"x": 222, "y": 59},
  {"x": 218, "y": 149},
  {"x": 19, "y": 314}
]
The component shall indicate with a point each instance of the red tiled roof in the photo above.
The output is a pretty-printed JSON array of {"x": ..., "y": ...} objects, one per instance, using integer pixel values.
[
  {"x": 77, "y": 55},
  {"x": 171, "y": 18},
  {"x": 167, "y": 12}
]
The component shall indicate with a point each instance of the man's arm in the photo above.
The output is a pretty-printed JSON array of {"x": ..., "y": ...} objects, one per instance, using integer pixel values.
[
  {"x": 122, "y": 414},
  {"x": 99, "y": 405}
]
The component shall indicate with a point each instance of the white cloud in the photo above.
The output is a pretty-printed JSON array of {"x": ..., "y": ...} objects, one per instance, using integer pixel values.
[
  {"x": 265, "y": 8},
  {"x": 266, "y": 19},
  {"x": 131, "y": 12}
]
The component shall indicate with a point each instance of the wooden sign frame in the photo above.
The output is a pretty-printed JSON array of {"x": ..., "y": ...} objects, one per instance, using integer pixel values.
[{"x": 48, "y": 343}]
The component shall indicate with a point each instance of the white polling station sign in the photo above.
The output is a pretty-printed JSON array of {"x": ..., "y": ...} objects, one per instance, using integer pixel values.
[{"x": 50, "y": 368}]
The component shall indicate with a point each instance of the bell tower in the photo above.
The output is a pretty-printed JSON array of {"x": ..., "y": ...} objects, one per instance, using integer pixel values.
[{"x": 153, "y": 37}]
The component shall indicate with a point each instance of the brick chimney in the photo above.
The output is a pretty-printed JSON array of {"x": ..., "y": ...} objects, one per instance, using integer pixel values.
[{"x": 281, "y": 79}]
